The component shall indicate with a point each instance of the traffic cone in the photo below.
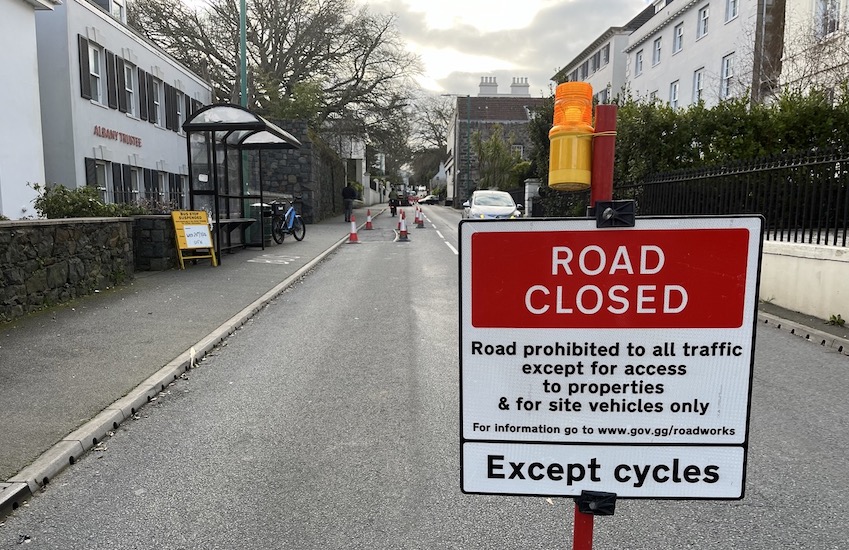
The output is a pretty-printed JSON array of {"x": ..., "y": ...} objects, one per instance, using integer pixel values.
[
  {"x": 420, "y": 220},
  {"x": 368, "y": 219},
  {"x": 402, "y": 231},
  {"x": 353, "y": 239}
]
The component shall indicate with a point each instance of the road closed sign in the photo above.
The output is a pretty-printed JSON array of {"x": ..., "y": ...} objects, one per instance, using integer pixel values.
[{"x": 615, "y": 360}]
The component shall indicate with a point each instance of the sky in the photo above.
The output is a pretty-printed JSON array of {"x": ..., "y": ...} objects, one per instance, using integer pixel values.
[{"x": 460, "y": 41}]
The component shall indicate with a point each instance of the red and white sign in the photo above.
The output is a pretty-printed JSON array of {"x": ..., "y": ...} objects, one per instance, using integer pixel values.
[{"x": 625, "y": 354}]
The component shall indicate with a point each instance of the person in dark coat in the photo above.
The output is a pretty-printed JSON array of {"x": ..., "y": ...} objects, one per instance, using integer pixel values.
[{"x": 348, "y": 196}]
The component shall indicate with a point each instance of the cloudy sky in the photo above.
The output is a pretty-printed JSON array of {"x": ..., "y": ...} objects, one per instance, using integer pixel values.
[{"x": 459, "y": 41}]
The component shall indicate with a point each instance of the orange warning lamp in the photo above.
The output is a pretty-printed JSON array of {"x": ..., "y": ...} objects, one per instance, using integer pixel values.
[{"x": 571, "y": 137}]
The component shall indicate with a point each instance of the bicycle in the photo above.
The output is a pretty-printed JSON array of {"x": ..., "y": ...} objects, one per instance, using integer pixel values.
[{"x": 286, "y": 222}]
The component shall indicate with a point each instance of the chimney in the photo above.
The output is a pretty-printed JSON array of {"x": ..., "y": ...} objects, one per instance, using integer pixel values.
[
  {"x": 520, "y": 87},
  {"x": 488, "y": 86}
]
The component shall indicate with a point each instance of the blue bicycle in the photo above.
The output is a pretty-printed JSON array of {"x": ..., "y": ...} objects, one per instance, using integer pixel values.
[{"x": 289, "y": 222}]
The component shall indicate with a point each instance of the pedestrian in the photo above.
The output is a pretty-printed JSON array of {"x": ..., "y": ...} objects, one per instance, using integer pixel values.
[{"x": 348, "y": 196}]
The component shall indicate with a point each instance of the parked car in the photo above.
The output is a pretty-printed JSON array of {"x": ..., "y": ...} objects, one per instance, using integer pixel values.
[
  {"x": 491, "y": 204},
  {"x": 429, "y": 199}
]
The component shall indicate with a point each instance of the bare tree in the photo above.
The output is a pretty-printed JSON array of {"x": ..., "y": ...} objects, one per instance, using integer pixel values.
[
  {"x": 320, "y": 58},
  {"x": 431, "y": 118},
  {"x": 815, "y": 48}
]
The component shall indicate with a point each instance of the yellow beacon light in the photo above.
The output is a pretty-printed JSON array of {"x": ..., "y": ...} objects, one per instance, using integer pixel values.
[{"x": 571, "y": 137}]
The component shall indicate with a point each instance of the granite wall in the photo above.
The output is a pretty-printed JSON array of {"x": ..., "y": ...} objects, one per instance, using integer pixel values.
[{"x": 47, "y": 262}]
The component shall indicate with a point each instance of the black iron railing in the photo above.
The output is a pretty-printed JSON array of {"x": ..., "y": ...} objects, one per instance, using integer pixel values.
[{"x": 804, "y": 198}]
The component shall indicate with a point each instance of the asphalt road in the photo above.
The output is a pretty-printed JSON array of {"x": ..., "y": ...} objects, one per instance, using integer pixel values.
[{"x": 330, "y": 420}]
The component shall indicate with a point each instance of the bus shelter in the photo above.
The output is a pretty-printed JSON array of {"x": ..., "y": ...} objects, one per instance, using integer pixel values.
[{"x": 223, "y": 142}]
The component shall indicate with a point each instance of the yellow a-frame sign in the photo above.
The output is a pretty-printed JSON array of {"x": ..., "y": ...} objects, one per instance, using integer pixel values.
[{"x": 192, "y": 232}]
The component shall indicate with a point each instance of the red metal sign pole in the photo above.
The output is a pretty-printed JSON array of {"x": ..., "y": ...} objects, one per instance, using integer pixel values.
[
  {"x": 604, "y": 146},
  {"x": 601, "y": 189}
]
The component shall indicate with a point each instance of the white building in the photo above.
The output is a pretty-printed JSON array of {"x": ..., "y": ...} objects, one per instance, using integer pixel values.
[
  {"x": 113, "y": 105},
  {"x": 693, "y": 51},
  {"x": 816, "y": 44},
  {"x": 603, "y": 63},
  {"x": 21, "y": 155}
]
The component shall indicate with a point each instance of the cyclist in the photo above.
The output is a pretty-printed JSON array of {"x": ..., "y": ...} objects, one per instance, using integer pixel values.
[
  {"x": 348, "y": 196},
  {"x": 393, "y": 201}
]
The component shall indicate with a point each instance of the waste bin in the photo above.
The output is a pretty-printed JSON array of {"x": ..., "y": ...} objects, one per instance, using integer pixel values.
[{"x": 262, "y": 214}]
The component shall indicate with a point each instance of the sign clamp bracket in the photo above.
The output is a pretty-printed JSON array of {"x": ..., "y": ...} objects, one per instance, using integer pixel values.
[
  {"x": 596, "y": 503},
  {"x": 612, "y": 214}
]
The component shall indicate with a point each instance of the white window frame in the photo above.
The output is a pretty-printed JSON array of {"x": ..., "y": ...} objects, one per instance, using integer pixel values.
[
  {"x": 732, "y": 9},
  {"x": 163, "y": 188},
  {"x": 156, "y": 92},
  {"x": 702, "y": 23},
  {"x": 826, "y": 17},
  {"x": 698, "y": 84},
  {"x": 118, "y": 11},
  {"x": 130, "y": 80},
  {"x": 678, "y": 38},
  {"x": 181, "y": 116},
  {"x": 656, "y": 51},
  {"x": 101, "y": 176},
  {"x": 605, "y": 54},
  {"x": 96, "y": 66},
  {"x": 653, "y": 96},
  {"x": 726, "y": 76},
  {"x": 673, "y": 94},
  {"x": 519, "y": 149},
  {"x": 135, "y": 184},
  {"x": 638, "y": 63}
]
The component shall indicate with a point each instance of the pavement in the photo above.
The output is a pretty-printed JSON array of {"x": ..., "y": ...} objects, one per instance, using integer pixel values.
[{"x": 71, "y": 374}]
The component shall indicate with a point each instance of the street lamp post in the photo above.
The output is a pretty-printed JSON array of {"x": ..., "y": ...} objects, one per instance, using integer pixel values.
[
  {"x": 468, "y": 143},
  {"x": 243, "y": 50}
]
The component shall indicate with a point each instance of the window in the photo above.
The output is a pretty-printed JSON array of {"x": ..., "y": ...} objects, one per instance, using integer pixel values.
[
  {"x": 638, "y": 63},
  {"x": 731, "y": 8},
  {"x": 653, "y": 96},
  {"x": 518, "y": 150},
  {"x": 155, "y": 115},
  {"x": 596, "y": 61},
  {"x": 727, "y": 76},
  {"x": 101, "y": 182},
  {"x": 702, "y": 28},
  {"x": 603, "y": 96},
  {"x": 678, "y": 38},
  {"x": 181, "y": 116},
  {"x": 118, "y": 10},
  {"x": 673, "y": 95},
  {"x": 95, "y": 69},
  {"x": 827, "y": 17},
  {"x": 605, "y": 55},
  {"x": 655, "y": 56},
  {"x": 585, "y": 70},
  {"x": 698, "y": 84},
  {"x": 132, "y": 186},
  {"x": 130, "y": 88}
]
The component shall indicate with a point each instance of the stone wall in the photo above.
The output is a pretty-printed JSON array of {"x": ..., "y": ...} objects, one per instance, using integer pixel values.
[
  {"x": 154, "y": 243},
  {"x": 314, "y": 173},
  {"x": 47, "y": 262}
]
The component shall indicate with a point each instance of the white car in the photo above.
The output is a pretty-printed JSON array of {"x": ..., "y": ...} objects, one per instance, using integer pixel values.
[{"x": 491, "y": 205}]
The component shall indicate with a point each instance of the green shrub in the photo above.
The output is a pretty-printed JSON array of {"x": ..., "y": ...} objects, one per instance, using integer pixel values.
[{"x": 58, "y": 201}]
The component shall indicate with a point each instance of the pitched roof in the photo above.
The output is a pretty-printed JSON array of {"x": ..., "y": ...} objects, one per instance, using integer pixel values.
[{"x": 498, "y": 109}]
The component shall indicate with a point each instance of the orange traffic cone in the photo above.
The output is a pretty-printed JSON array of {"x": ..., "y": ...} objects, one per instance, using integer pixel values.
[
  {"x": 353, "y": 239},
  {"x": 402, "y": 231},
  {"x": 420, "y": 219},
  {"x": 368, "y": 219}
]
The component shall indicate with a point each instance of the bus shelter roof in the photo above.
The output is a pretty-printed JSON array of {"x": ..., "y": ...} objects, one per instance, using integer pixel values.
[{"x": 235, "y": 126}]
